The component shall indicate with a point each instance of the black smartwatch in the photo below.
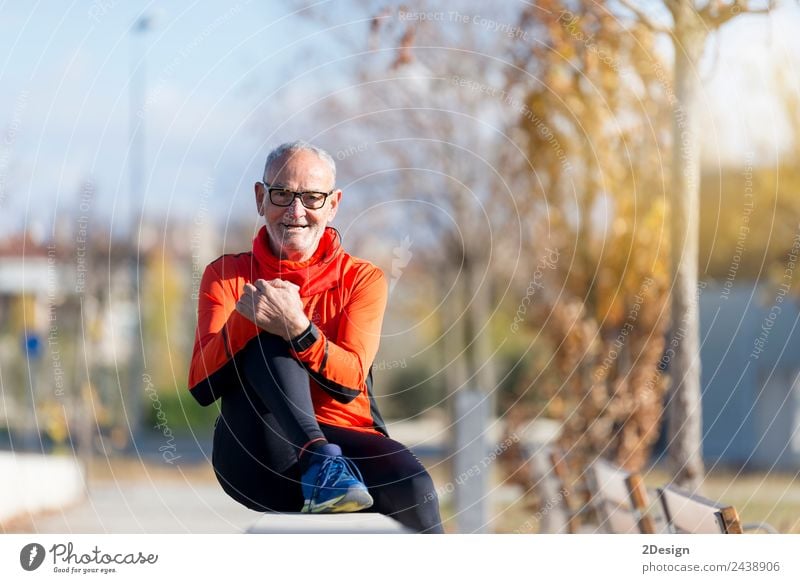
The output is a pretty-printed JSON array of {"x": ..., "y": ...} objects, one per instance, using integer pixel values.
[{"x": 305, "y": 339}]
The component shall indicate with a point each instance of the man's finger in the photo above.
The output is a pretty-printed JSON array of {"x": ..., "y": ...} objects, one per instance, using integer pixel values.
[
  {"x": 250, "y": 300},
  {"x": 261, "y": 285},
  {"x": 241, "y": 307},
  {"x": 247, "y": 296},
  {"x": 284, "y": 284}
]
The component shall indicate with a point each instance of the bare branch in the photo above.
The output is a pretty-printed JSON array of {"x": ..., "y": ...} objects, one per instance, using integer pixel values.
[
  {"x": 375, "y": 28},
  {"x": 715, "y": 16},
  {"x": 404, "y": 54},
  {"x": 644, "y": 18}
]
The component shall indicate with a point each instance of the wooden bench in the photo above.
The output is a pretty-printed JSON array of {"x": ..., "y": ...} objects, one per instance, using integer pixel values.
[
  {"x": 621, "y": 500},
  {"x": 688, "y": 513},
  {"x": 575, "y": 502},
  {"x": 607, "y": 498},
  {"x": 604, "y": 498}
]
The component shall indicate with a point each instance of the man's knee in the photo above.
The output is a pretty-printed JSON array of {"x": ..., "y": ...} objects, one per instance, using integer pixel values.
[
  {"x": 422, "y": 487},
  {"x": 264, "y": 360},
  {"x": 410, "y": 491},
  {"x": 262, "y": 347},
  {"x": 414, "y": 503}
]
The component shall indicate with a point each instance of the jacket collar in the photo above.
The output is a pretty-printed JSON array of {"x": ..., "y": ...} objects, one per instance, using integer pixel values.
[{"x": 314, "y": 275}]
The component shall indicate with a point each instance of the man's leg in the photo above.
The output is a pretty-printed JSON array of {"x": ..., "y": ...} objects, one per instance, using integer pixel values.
[
  {"x": 397, "y": 480},
  {"x": 273, "y": 382},
  {"x": 253, "y": 462}
]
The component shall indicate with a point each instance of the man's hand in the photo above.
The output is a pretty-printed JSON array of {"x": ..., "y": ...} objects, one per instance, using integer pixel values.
[{"x": 274, "y": 306}]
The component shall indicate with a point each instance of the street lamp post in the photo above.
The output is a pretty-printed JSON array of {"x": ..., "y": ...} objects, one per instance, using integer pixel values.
[{"x": 136, "y": 167}]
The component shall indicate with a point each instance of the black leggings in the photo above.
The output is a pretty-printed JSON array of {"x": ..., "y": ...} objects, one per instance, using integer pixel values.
[{"x": 263, "y": 425}]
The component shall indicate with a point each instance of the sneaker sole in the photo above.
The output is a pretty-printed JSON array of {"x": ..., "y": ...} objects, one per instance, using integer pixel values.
[{"x": 354, "y": 500}]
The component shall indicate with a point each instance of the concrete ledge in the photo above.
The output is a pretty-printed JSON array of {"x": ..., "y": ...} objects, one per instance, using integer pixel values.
[
  {"x": 344, "y": 523},
  {"x": 31, "y": 483}
]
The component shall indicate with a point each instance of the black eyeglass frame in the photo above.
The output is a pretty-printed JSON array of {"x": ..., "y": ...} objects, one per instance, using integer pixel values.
[{"x": 295, "y": 194}]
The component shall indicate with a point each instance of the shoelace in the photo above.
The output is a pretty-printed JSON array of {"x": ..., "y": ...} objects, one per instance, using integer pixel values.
[{"x": 330, "y": 471}]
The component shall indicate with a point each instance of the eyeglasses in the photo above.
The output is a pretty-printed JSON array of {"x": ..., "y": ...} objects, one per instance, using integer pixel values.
[{"x": 312, "y": 200}]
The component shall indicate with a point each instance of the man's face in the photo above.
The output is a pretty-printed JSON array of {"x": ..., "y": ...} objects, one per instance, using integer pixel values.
[{"x": 295, "y": 231}]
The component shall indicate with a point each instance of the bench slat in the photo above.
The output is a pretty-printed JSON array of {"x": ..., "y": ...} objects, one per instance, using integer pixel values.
[
  {"x": 692, "y": 514},
  {"x": 622, "y": 497}
]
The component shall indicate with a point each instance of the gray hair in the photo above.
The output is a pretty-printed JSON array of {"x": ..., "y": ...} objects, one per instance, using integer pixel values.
[{"x": 298, "y": 146}]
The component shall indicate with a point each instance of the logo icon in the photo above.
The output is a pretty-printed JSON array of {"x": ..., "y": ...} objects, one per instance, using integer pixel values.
[
  {"x": 402, "y": 256},
  {"x": 31, "y": 556}
]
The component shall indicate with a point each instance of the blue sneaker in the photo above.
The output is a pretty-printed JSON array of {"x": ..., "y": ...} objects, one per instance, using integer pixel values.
[{"x": 333, "y": 484}]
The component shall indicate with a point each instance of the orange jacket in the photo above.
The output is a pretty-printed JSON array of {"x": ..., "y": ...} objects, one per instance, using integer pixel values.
[{"x": 343, "y": 295}]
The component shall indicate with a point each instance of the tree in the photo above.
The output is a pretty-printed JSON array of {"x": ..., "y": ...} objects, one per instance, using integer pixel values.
[
  {"x": 442, "y": 143},
  {"x": 692, "y": 23},
  {"x": 596, "y": 124}
]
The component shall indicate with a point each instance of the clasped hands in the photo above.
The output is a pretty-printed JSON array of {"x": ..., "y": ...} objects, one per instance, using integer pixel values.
[{"x": 274, "y": 306}]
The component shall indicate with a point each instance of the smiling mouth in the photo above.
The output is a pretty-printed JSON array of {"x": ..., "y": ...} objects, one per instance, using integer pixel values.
[{"x": 289, "y": 227}]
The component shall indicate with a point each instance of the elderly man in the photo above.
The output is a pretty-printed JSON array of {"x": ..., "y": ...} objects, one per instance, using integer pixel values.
[{"x": 286, "y": 336}]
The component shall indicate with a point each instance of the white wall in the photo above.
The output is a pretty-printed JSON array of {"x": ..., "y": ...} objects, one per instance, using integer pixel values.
[{"x": 32, "y": 483}]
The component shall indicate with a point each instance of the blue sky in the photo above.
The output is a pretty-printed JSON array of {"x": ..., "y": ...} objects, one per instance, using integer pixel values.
[
  {"x": 65, "y": 100},
  {"x": 211, "y": 112}
]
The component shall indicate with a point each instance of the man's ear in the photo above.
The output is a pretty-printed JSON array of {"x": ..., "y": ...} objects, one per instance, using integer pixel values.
[
  {"x": 260, "y": 192},
  {"x": 336, "y": 197}
]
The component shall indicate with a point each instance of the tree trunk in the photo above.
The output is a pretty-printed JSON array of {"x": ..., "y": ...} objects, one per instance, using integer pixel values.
[
  {"x": 477, "y": 292},
  {"x": 684, "y": 412},
  {"x": 453, "y": 363}
]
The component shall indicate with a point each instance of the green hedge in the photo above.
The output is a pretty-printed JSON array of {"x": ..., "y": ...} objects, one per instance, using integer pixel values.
[{"x": 179, "y": 411}]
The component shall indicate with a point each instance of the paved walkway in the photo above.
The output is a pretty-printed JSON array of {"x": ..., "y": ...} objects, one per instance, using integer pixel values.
[{"x": 139, "y": 506}]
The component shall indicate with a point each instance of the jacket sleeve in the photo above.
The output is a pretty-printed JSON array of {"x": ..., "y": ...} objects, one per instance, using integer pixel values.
[
  {"x": 341, "y": 367},
  {"x": 212, "y": 370}
]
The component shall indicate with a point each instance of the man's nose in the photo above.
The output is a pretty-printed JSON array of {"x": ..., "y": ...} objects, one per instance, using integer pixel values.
[{"x": 296, "y": 209}]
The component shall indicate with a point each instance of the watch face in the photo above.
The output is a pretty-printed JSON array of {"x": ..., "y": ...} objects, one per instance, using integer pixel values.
[{"x": 306, "y": 340}]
